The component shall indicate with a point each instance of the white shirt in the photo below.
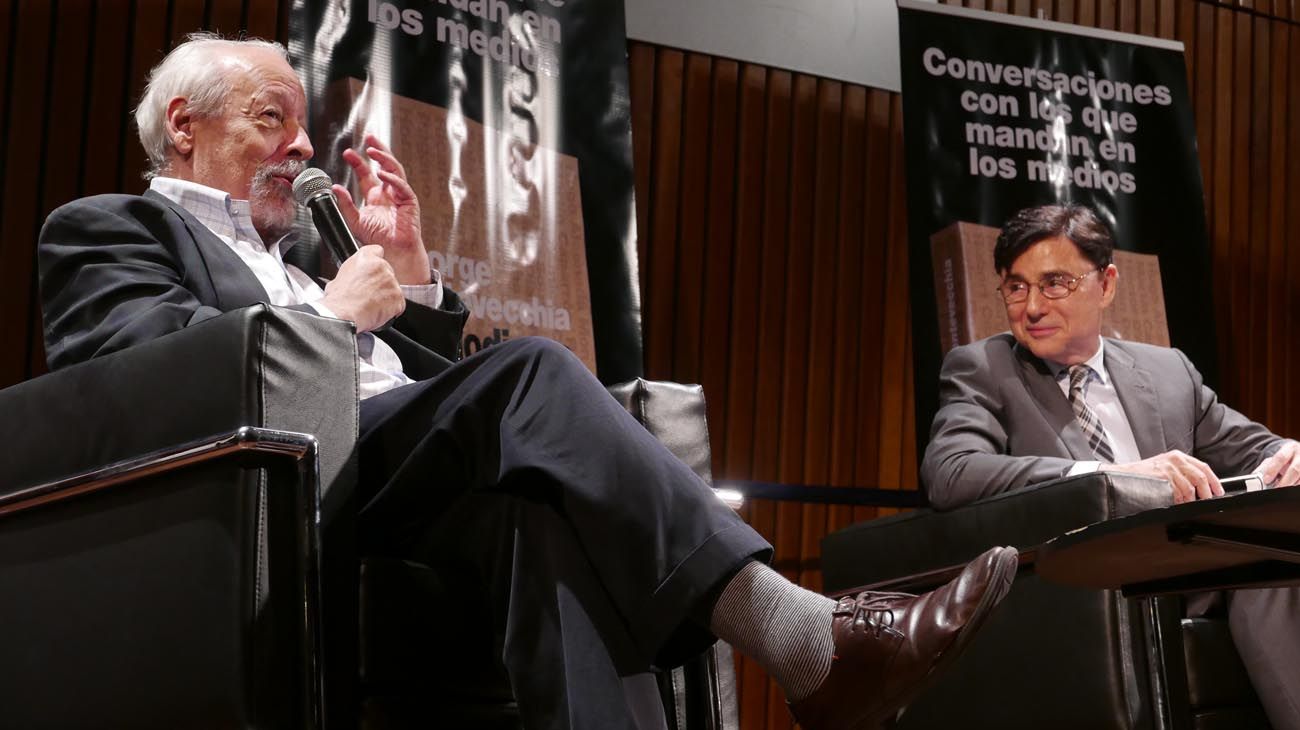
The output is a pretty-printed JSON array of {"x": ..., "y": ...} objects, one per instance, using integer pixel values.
[
  {"x": 379, "y": 367},
  {"x": 1100, "y": 395}
]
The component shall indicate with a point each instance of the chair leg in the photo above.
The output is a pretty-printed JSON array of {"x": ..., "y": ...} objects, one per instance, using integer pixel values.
[
  {"x": 701, "y": 694},
  {"x": 1168, "y": 667},
  {"x": 724, "y": 663}
]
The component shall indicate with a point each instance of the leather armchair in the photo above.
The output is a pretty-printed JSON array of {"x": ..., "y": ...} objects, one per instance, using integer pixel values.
[
  {"x": 162, "y": 558},
  {"x": 1053, "y": 656}
]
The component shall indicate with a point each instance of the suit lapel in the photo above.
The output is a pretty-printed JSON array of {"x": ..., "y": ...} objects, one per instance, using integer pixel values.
[
  {"x": 1137, "y": 394},
  {"x": 227, "y": 275},
  {"x": 1053, "y": 404}
]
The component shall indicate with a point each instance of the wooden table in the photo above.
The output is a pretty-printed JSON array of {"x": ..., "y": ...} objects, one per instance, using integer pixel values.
[{"x": 1246, "y": 540}]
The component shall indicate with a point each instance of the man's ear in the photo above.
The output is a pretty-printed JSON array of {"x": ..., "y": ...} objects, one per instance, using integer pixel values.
[
  {"x": 1109, "y": 283},
  {"x": 180, "y": 126}
]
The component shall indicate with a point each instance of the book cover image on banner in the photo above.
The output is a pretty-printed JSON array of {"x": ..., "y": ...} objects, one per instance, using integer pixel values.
[
  {"x": 1003, "y": 112},
  {"x": 511, "y": 119}
]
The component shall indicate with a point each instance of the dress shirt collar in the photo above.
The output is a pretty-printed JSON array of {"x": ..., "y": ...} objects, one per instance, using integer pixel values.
[
  {"x": 215, "y": 209},
  {"x": 1096, "y": 362}
]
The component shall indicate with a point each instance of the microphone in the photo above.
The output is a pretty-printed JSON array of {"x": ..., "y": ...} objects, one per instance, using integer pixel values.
[{"x": 312, "y": 189}]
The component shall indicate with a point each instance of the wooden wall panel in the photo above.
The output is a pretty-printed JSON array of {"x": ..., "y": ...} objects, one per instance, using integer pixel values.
[
  {"x": 1276, "y": 249},
  {"x": 63, "y": 115},
  {"x": 1287, "y": 364},
  {"x": 151, "y": 37},
  {"x": 846, "y": 345},
  {"x": 108, "y": 129},
  {"x": 716, "y": 317},
  {"x": 688, "y": 281},
  {"x": 875, "y": 205},
  {"x": 28, "y": 86},
  {"x": 658, "y": 290},
  {"x": 815, "y": 368},
  {"x": 760, "y": 245},
  {"x": 70, "y": 74}
]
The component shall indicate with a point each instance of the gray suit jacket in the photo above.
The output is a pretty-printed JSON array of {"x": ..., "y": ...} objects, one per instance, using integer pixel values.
[{"x": 1004, "y": 423}]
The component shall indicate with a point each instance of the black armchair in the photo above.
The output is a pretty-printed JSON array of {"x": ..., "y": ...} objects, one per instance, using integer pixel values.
[
  {"x": 162, "y": 559},
  {"x": 1053, "y": 656}
]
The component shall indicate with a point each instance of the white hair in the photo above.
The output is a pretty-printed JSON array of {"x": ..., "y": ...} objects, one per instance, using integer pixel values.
[{"x": 192, "y": 70}]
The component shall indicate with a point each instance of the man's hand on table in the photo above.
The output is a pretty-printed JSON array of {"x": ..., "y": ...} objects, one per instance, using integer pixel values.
[
  {"x": 1189, "y": 477},
  {"x": 1282, "y": 469}
]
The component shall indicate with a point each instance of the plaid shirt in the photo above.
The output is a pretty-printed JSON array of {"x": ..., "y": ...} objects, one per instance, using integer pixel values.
[{"x": 380, "y": 369}]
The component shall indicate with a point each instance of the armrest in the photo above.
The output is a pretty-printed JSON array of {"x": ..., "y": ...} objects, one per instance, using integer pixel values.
[
  {"x": 261, "y": 366},
  {"x": 925, "y": 540}
]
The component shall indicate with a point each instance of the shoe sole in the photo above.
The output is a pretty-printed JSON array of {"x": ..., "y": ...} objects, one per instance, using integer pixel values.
[{"x": 1004, "y": 572}]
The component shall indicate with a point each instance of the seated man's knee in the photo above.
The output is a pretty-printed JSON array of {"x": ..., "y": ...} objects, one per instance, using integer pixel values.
[{"x": 539, "y": 347}]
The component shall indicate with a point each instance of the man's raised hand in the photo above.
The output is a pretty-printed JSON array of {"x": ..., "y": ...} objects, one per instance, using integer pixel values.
[{"x": 389, "y": 214}]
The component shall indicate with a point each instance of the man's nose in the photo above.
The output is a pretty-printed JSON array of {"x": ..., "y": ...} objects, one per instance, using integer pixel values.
[
  {"x": 1035, "y": 303},
  {"x": 300, "y": 147}
]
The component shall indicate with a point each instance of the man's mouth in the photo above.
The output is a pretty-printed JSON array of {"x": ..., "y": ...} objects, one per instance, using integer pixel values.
[
  {"x": 280, "y": 175},
  {"x": 1041, "y": 331}
]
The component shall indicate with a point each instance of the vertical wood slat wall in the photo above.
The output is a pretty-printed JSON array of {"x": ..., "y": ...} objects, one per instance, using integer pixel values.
[
  {"x": 782, "y": 196},
  {"x": 70, "y": 73},
  {"x": 772, "y": 225}
]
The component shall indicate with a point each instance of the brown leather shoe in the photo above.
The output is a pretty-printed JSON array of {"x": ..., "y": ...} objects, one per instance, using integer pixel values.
[{"x": 889, "y": 646}]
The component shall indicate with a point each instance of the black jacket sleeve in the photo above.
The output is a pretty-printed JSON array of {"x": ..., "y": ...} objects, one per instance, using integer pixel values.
[{"x": 107, "y": 281}]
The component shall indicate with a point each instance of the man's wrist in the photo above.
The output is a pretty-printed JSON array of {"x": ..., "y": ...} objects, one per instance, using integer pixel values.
[
  {"x": 430, "y": 295},
  {"x": 410, "y": 278},
  {"x": 410, "y": 265}
]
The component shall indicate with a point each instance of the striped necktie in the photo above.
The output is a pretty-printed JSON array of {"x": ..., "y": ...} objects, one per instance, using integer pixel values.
[{"x": 1088, "y": 420}]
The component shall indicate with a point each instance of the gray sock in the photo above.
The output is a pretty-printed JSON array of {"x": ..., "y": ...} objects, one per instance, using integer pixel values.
[{"x": 785, "y": 628}]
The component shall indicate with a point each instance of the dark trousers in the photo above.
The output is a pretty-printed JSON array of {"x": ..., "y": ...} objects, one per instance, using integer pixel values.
[{"x": 590, "y": 541}]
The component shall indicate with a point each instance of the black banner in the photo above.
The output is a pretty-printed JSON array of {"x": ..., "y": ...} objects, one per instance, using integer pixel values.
[
  {"x": 1001, "y": 113},
  {"x": 512, "y": 119}
]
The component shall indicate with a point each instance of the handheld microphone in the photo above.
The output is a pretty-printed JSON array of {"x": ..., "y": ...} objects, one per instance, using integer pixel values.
[{"x": 312, "y": 189}]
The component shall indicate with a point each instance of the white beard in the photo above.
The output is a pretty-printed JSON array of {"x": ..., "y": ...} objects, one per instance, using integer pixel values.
[{"x": 273, "y": 208}]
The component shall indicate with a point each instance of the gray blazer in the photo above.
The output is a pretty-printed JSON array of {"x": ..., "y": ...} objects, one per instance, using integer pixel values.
[{"x": 1004, "y": 423}]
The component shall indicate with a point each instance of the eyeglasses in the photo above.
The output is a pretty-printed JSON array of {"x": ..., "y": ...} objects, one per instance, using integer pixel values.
[{"x": 1056, "y": 286}]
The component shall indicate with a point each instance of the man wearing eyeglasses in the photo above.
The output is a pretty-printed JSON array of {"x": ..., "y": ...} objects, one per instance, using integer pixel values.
[{"x": 1054, "y": 398}]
